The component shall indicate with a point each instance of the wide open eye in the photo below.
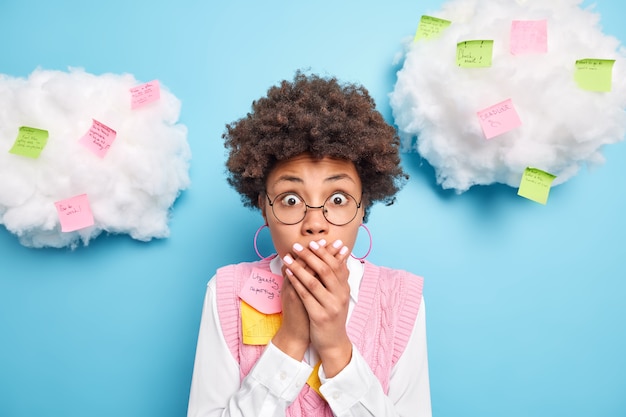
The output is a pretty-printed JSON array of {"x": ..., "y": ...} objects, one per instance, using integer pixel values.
[
  {"x": 290, "y": 200},
  {"x": 338, "y": 199}
]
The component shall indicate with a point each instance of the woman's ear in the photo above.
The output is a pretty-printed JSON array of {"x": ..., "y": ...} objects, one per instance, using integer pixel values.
[
  {"x": 261, "y": 204},
  {"x": 363, "y": 209}
]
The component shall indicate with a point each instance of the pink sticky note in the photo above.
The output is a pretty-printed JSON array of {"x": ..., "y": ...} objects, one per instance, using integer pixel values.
[
  {"x": 99, "y": 138},
  {"x": 144, "y": 94},
  {"x": 74, "y": 213},
  {"x": 262, "y": 291},
  {"x": 529, "y": 37},
  {"x": 498, "y": 119}
]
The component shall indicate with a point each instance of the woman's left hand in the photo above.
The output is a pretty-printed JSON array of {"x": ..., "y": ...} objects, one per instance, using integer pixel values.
[{"x": 319, "y": 275}]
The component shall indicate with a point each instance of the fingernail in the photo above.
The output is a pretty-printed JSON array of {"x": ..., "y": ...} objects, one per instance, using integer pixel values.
[
  {"x": 288, "y": 271},
  {"x": 344, "y": 250},
  {"x": 337, "y": 244},
  {"x": 288, "y": 259},
  {"x": 314, "y": 245},
  {"x": 321, "y": 242},
  {"x": 297, "y": 247}
]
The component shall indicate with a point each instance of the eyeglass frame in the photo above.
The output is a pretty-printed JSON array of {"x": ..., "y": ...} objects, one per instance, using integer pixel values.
[{"x": 307, "y": 207}]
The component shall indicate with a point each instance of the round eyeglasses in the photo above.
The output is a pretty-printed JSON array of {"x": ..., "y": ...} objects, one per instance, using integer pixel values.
[{"x": 339, "y": 208}]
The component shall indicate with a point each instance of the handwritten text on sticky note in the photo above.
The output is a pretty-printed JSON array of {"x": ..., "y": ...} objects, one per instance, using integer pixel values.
[
  {"x": 99, "y": 138},
  {"x": 30, "y": 142},
  {"x": 144, "y": 94},
  {"x": 258, "y": 328},
  {"x": 74, "y": 213},
  {"x": 535, "y": 185},
  {"x": 430, "y": 27},
  {"x": 262, "y": 291},
  {"x": 594, "y": 74},
  {"x": 498, "y": 119},
  {"x": 529, "y": 37},
  {"x": 474, "y": 54}
]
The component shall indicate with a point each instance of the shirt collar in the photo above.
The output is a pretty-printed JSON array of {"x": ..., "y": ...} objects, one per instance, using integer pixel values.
[{"x": 355, "y": 268}]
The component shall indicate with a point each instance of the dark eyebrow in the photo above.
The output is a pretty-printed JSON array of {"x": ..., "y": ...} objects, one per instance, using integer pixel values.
[
  {"x": 288, "y": 178},
  {"x": 339, "y": 177}
]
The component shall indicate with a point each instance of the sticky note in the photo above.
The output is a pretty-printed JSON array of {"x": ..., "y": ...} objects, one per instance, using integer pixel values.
[
  {"x": 430, "y": 27},
  {"x": 258, "y": 328},
  {"x": 474, "y": 54},
  {"x": 314, "y": 379},
  {"x": 30, "y": 142},
  {"x": 498, "y": 119},
  {"x": 529, "y": 37},
  {"x": 535, "y": 185},
  {"x": 144, "y": 94},
  {"x": 594, "y": 74},
  {"x": 98, "y": 138},
  {"x": 74, "y": 213},
  {"x": 262, "y": 291}
]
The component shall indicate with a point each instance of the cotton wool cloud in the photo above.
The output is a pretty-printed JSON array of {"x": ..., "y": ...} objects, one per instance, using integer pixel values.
[
  {"x": 127, "y": 184},
  {"x": 562, "y": 126}
]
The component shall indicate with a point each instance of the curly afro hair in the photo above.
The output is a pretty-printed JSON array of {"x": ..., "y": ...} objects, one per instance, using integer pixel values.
[{"x": 323, "y": 118}]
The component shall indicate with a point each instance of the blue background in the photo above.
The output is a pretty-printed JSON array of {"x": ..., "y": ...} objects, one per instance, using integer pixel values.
[{"x": 526, "y": 307}]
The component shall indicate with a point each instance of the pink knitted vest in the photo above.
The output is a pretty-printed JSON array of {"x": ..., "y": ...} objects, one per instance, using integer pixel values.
[{"x": 379, "y": 327}]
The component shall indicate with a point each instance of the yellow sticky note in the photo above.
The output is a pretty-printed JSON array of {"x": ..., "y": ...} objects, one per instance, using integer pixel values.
[
  {"x": 474, "y": 54},
  {"x": 258, "y": 328},
  {"x": 30, "y": 142},
  {"x": 535, "y": 185},
  {"x": 430, "y": 27},
  {"x": 594, "y": 74},
  {"x": 314, "y": 379}
]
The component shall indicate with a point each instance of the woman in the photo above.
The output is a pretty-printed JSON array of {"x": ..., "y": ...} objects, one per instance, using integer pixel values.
[{"x": 342, "y": 336}]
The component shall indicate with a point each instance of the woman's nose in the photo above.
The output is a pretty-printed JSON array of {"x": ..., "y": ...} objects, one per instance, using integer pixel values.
[{"x": 314, "y": 222}]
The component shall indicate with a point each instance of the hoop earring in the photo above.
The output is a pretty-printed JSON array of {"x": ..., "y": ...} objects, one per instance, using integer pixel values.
[
  {"x": 256, "y": 236},
  {"x": 370, "y": 247}
]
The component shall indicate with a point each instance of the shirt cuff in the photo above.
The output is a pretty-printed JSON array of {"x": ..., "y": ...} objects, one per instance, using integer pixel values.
[
  {"x": 349, "y": 386},
  {"x": 281, "y": 374}
]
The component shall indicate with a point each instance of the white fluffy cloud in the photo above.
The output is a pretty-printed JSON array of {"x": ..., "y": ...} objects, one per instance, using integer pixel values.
[
  {"x": 564, "y": 127},
  {"x": 130, "y": 190}
]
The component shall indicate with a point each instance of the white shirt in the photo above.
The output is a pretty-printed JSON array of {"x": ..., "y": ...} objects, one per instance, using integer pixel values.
[{"x": 276, "y": 379}]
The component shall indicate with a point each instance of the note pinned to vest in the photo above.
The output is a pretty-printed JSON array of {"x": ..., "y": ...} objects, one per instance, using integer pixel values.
[
  {"x": 258, "y": 328},
  {"x": 261, "y": 290}
]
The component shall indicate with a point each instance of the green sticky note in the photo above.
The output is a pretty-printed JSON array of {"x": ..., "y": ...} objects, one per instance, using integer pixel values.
[
  {"x": 474, "y": 54},
  {"x": 29, "y": 142},
  {"x": 594, "y": 74},
  {"x": 430, "y": 27},
  {"x": 535, "y": 185}
]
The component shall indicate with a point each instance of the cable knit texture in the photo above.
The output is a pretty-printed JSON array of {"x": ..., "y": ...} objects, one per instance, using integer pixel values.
[{"x": 380, "y": 325}]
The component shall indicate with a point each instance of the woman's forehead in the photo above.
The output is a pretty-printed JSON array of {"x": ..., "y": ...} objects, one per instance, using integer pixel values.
[{"x": 306, "y": 170}]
